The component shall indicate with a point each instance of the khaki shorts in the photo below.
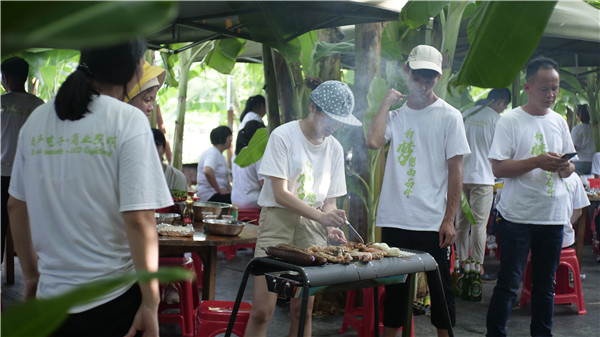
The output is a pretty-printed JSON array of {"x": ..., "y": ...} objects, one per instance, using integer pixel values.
[{"x": 278, "y": 225}]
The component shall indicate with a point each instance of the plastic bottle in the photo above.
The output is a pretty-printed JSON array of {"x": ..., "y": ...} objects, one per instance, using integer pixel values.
[
  {"x": 234, "y": 211},
  {"x": 456, "y": 273},
  {"x": 476, "y": 284}
]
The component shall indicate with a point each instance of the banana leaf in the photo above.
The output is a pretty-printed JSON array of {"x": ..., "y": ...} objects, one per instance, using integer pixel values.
[
  {"x": 41, "y": 317},
  {"x": 417, "y": 13},
  {"x": 255, "y": 149},
  {"x": 464, "y": 203},
  {"x": 224, "y": 54},
  {"x": 80, "y": 24},
  {"x": 502, "y": 37}
]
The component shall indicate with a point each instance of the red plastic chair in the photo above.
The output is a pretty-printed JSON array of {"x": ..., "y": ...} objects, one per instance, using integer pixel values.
[
  {"x": 564, "y": 292},
  {"x": 249, "y": 215},
  {"x": 182, "y": 313},
  {"x": 362, "y": 317},
  {"x": 213, "y": 318}
]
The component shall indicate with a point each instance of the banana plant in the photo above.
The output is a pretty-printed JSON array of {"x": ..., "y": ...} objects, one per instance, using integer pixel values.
[{"x": 186, "y": 58}]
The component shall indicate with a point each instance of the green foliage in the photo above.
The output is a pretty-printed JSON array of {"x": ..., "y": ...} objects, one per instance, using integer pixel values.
[
  {"x": 417, "y": 13},
  {"x": 224, "y": 54},
  {"x": 254, "y": 150},
  {"x": 80, "y": 24},
  {"x": 263, "y": 26},
  {"x": 492, "y": 40},
  {"x": 41, "y": 317}
]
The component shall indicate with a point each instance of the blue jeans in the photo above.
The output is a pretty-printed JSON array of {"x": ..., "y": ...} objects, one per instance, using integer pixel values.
[{"x": 515, "y": 240}]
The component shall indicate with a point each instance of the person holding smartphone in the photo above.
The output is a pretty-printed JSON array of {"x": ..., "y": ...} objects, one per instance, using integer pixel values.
[{"x": 527, "y": 149}]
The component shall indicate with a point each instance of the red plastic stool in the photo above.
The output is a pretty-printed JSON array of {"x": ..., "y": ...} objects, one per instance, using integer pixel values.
[
  {"x": 364, "y": 325},
  {"x": 213, "y": 318},
  {"x": 563, "y": 292},
  {"x": 188, "y": 298},
  {"x": 249, "y": 215},
  {"x": 199, "y": 267}
]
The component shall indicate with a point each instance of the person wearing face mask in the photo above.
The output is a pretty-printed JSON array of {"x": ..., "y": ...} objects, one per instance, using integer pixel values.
[
  {"x": 76, "y": 211},
  {"x": 303, "y": 167},
  {"x": 422, "y": 181}
]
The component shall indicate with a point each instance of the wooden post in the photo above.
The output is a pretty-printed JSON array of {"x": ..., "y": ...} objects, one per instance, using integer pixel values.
[{"x": 368, "y": 61}]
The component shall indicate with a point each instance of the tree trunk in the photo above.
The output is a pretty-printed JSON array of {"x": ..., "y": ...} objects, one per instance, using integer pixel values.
[
  {"x": 368, "y": 64},
  {"x": 329, "y": 66},
  {"x": 285, "y": 89},
  {"x": 185, "y": 62},
  {"x": 271, "y": 88}
]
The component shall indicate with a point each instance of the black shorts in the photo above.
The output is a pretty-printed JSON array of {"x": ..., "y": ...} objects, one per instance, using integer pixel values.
[
  {"x": 113, "y": 318},
  {"x": 396, "y": 296}
]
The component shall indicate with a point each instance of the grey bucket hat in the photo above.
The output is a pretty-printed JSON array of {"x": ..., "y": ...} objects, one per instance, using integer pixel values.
[{"x": 336, "y": 100}]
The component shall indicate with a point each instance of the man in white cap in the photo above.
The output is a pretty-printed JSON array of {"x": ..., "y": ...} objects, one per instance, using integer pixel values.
[{"x": 422, "y": 181}]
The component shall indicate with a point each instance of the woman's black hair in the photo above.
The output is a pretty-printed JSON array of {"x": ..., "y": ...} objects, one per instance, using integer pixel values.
[
  {"x": 584, "y": 114},
  {"x": 114, "y": 65},
  {"x": 244, "y": 136},
  {"x": 251, "y": 104},
  {"x": 218, "y": 135},
  {"x": 159, "y": 137}
]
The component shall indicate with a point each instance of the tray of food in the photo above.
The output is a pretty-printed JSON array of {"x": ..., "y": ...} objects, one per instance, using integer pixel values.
[
  {"x": 341, "y": 254},
  {"x": 166, "y": 229}
]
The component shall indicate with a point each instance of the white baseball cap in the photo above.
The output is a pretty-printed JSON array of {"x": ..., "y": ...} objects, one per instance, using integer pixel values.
[{"x": 425, "y": 57}]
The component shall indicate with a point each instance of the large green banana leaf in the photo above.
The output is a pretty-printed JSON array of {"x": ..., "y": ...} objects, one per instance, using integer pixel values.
[
  {"x": 41, "y": 317},
  {"x": 502, "y": 37},
  {"x": 79, "y": 24},
  {"x": 255, "y": 149},
  {"x": 224, "y": 54}
]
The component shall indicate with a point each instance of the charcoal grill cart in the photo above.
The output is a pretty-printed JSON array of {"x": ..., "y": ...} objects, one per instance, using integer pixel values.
[{"x": 301, "y": 281}]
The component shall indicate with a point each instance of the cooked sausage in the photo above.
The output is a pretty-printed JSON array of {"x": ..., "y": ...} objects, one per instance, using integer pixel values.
[{"x": 291, "y": 255}]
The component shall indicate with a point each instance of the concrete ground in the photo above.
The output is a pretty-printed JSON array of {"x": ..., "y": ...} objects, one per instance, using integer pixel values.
[{"x": 470, "y": 315}]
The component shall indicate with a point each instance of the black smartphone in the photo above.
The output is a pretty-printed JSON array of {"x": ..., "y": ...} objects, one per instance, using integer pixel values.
[{"x": 569, "y": 155}]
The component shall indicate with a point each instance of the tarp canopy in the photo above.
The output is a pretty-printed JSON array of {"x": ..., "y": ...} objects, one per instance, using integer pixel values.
[{"x": 270, "y": 22}]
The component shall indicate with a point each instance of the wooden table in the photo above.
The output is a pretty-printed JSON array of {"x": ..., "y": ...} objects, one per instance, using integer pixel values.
[
  {"x": 581, "y": 226},
  {"x": 206, "y": 247}
]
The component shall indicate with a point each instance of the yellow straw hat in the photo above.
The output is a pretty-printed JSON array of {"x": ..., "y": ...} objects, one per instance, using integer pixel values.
[{"x": 153, "y": 76}]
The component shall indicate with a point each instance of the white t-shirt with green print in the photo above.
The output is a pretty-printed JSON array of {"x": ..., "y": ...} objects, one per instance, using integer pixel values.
[
  {"x": 577, "y": 199},
  {"x": 77, "y": 178},
  {"x": 314, "y": 172},
  {"x": 536, "y": 197},
  {"x": 415, "y": 183}
]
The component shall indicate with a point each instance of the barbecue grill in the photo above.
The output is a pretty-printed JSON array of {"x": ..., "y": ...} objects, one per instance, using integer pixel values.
[{"x": 302, "y": 281}]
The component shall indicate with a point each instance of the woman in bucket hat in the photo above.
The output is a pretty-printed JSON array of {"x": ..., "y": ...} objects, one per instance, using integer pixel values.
[{"x": 303, "y": 166}]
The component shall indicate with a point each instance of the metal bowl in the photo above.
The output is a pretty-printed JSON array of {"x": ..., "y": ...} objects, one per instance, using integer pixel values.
[
  {"x": 223, "y": 227},
  {"x": 217, "y": 208},
  {"x": 169, "y": 218}
]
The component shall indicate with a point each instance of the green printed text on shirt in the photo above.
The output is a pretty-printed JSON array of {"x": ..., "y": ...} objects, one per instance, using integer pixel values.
[
  {"x": 90, "y": 144},
  {"x": 306, "y": 182},
  {"x": 406, "y": 157},
  {"x": 539, "y": 147}
]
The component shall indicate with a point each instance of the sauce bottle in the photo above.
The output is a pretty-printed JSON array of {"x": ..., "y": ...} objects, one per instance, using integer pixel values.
[{"x": 188, "y": 212}]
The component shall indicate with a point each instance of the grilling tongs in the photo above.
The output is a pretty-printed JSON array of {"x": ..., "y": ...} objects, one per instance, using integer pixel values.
[{"x": 360, "y": 239}]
